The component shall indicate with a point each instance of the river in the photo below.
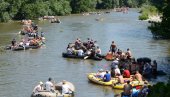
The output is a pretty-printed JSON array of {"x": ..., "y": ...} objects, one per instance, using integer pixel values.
[{"x": 20, "y": 71}]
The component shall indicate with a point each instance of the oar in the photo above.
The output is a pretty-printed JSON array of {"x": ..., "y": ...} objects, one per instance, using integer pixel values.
[{"x": 86, "y": 57}]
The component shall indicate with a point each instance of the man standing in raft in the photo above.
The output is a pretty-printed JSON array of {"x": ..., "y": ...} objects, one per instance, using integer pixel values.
[{"x": 113, "y": 47}]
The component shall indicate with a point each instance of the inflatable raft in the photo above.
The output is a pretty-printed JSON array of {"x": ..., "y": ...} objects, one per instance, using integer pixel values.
[
  {"x": 133, "y": 83},
  {"x": 57, "y": 91},
  {"x": 65, "y": 55},
  {"x": 94, "y": 79}
]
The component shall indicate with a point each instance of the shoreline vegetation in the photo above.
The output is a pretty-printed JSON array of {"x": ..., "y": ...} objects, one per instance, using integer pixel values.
[
  {"x": 158, "y": 14},
  {"x": 149, "y": 12},
  {"x": 33, "y": 9}
]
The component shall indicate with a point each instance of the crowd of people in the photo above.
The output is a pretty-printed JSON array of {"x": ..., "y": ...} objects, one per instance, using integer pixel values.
[
  {"x": 31, "y": 36},
  {"x": 125, "y": 79},
  {"x": 114, "y": 53},
  {"x": 50, "y": 86},
  {"x": 126, "y": 69},
  {"x": 125, "y": 60},
  {"x": 87, "y": 49}
]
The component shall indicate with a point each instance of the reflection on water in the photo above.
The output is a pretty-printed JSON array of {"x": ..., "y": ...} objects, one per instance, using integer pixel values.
[{"x": 20, "y": 71}]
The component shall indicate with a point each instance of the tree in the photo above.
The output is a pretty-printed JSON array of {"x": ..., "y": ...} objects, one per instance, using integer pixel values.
[
  {"x": 59, "y": 7},
  {"x": 79, "y": 6},
  {"x": 166, "y": 18}
]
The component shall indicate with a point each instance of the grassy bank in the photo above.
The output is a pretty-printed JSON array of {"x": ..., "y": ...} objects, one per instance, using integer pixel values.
[{"x": 148, "y": 11}]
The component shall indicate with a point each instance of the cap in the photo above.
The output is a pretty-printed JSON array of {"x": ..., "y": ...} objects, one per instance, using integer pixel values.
[{"x": 40, "y": 82}]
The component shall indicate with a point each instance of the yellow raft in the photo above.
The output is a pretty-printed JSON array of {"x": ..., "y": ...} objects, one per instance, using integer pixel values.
[
  {"x": 133, "y": 83},
  {"x": 92, "y": 78}
]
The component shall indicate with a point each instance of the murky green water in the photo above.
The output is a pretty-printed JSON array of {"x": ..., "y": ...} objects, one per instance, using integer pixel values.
[{"x": 20, "y": 71}]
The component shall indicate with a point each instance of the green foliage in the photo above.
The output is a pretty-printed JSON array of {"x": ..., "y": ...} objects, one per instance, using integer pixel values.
[
  {"x": 166, "y": 18},
  {"x": 30, "y": 9},
  {"x": 160, "y": 90},
  {"x": 3, "y": 6},
  {"x": 79, "y": 6},
  {"x": 60, "y": 7},
  {"x": 4, "y": 17},
  {"x": 162, "y": 29},
  {"x": 146, "y": 11},
  {"x": 143, "y": 16}
]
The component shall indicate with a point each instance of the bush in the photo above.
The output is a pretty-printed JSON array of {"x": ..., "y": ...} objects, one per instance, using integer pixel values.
[
  {"x": 146, "y": 11},
  {"x": 143, "y": 16},
  {"x": 4, "y": 17}
]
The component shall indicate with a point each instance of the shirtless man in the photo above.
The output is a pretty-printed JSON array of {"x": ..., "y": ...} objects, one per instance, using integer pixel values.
[
  {"x": 120, "y": 79},
  {"x": 138, "y": 76},
  {"x": 128, "y": 54},
  {"x": 127, "y": 90},
  {"x": 113, "y": 47}
]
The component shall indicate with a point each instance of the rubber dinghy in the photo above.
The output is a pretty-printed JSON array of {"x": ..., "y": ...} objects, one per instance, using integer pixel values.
[
  {"x": 94, "y": 79},
  {"x": 133, "y": 83},
  {"x": 19, "y": 48},
  {"x": 65, "y": 55},
  {"x": 57, "y": 92}
]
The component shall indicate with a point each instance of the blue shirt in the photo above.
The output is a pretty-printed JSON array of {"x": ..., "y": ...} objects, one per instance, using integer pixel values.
[{"x": 107, "y": 77}]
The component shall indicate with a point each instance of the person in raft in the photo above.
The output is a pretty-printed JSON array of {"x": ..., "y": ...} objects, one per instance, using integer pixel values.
[
  {"x": 65, "y": 88},
  {"x": 49, "y": 85},
  {"x": 100, "y": 74},
  {"x": 38, "y": 88},
  {"x": 113, "y": 47},
  {"x": 127, "y": 90},
  {"x": 126, "y": 73},
  {"x": 107, "y": 77}
]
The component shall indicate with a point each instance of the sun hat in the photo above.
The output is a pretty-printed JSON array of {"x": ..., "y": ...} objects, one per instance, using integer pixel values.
[{"x": 41, "y": 83}]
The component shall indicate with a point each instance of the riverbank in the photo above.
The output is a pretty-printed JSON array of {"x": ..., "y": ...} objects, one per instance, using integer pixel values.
[{"x": 154, "y": 18}]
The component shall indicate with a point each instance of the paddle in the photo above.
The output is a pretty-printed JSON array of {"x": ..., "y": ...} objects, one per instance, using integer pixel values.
[{"x": 86, "y": 57}]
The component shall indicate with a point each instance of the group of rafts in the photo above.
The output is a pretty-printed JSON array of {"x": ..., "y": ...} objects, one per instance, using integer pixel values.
[
  {"x": 31, "y": 38},
  {"x": 93, "y": 77},
  {"x": 90, "y": 50}
]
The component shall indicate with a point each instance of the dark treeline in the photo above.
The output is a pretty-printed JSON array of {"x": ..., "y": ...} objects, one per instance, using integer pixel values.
[{"x": 30, "y": 9}]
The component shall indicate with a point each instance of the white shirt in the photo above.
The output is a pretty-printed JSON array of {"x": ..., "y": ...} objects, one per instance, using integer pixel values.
[
  {"x": 69, "y": 51},
  {"x": 27, "y": 44},
  {"x": 102, "y": 74},
  {"x": 80, "y": 52},
  {"x": 98, "y": 51},
  {"x": 48, "y": 86},
  {"x": 65, "y": 89},
  {"x": 117, "y": 71},
  {"x": 21, "y": 43}
]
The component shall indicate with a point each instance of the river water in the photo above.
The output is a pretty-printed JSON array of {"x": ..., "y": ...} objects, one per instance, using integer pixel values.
[{"x": 20, "y": 71}]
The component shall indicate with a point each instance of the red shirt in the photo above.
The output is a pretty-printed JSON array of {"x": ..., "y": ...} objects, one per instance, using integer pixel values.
[{"x": 126, "y": 73}]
